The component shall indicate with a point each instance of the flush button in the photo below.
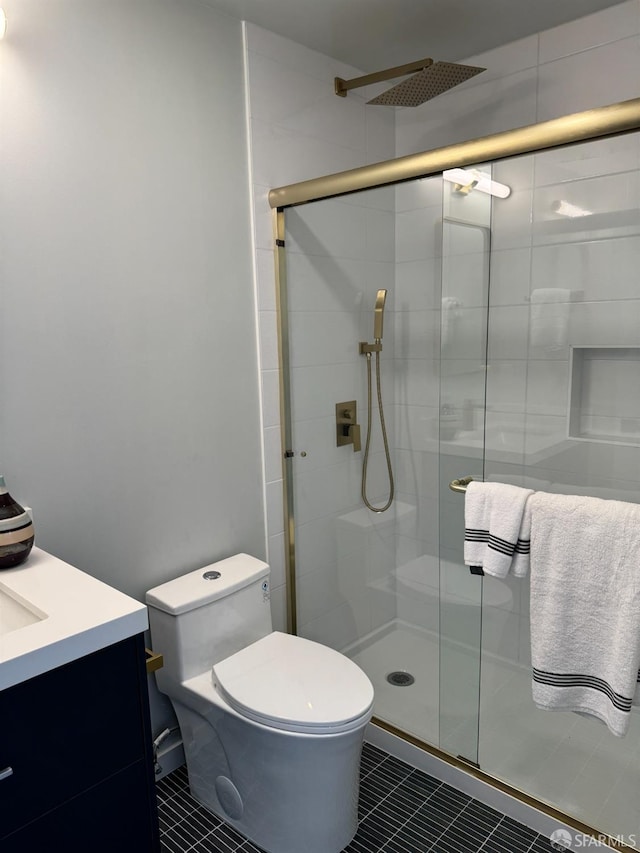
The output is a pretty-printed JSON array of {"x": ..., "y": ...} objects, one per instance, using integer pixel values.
[{"x": 211, "y": 576}]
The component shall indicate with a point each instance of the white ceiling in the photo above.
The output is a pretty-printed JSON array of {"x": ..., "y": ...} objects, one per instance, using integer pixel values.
[{"x": 377, "y": 34}]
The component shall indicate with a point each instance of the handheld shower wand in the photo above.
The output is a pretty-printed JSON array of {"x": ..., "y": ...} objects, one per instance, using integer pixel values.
[
  {"x": 367, "y": 349},
  {"x": 378, "y": 315}
]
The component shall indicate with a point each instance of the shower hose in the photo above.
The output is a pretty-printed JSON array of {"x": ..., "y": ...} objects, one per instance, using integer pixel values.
[{"x": 365, "y": 462}]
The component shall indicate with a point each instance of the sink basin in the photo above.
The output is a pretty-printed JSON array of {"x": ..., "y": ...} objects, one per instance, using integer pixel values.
[
  {"x": 16, "y": 613},
  {"x": 52, "y": 613}
]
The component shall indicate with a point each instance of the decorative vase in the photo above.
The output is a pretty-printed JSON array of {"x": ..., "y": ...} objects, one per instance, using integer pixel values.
[{"x": 16, "y": 530}]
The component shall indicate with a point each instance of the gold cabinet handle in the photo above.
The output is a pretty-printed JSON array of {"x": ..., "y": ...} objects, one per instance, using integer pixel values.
[{"x": 154, "y": 660}]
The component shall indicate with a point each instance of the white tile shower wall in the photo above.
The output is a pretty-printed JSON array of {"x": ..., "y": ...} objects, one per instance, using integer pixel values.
[
  {"x": 586, "y": 63},
  {"x": 300, "y": 130},
  {"x": 618, "y": 22},
  {"x": 337, "y": 259},
  {"x": 583, "y": 64}
]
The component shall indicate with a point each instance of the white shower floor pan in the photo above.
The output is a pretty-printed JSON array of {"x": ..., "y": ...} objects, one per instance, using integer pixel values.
[
  {"x": 400, "y": 647},
  {"x": 568, "y": 761}
]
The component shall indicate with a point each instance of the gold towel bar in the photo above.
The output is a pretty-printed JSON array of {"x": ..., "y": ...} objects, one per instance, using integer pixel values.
[{"x": 460, "y": 485}]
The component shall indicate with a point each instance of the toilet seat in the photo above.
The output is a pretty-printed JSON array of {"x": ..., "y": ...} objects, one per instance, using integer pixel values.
[{"x": 286, "y": 682}]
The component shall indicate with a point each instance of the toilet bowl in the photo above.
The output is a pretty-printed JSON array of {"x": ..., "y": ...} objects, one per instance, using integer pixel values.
[{"x": 272, "y": 724}]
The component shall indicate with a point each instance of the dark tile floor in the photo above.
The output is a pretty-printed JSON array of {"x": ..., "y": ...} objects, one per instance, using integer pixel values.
[{"x": 402, "y": 810}]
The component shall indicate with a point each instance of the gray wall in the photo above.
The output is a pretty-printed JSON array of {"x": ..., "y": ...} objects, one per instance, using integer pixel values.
[{"x": 129, "y": 416}]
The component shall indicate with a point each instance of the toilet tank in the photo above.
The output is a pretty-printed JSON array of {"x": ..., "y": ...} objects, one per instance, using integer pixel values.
[{"x": 206, "y": 615}]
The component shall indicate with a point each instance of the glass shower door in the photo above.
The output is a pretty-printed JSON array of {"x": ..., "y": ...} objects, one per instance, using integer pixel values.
[
  {"x": 534, "y": 381},
  {"x": 368, "y": 582},
  {"x": 563, "y": 416},
  {"x": 465, "y": 286}
]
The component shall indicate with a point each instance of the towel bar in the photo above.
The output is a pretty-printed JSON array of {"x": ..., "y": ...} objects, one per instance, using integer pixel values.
[{"x": 460, "y": 485}]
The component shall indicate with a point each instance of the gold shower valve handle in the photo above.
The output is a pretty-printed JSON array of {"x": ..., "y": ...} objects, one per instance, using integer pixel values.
[
  {"x": 347, "y": 428},
  {"x": 354, "y": 432}
]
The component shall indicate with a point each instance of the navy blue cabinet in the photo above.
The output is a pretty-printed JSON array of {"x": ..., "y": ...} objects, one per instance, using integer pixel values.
[{"x": 75, "y": 745}]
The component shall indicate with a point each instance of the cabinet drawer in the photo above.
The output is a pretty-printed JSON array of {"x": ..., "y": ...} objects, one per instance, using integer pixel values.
[
  {"x": 67, "y": 730},
  {"x": 105, "y": 819}
]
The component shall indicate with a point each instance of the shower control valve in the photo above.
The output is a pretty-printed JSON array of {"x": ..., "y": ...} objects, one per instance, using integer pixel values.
[{"x": 347, "y": 428}]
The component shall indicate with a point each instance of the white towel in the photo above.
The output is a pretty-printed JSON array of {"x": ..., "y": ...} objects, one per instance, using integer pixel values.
[
  {"x": 585, "y": 605},
  {"x": 493, "y": 518},
  {"x": 522, "y": 480},
  {"x": 522, "y": 555},
  {"x": 550, "y": 317}
]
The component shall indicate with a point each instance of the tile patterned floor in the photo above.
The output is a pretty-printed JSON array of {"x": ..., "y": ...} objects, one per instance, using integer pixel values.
[
  {"x": 565, "y": 759},
  {"x": 402, "y": 810}
]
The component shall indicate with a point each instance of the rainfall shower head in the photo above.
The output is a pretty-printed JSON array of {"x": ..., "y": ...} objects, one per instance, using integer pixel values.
[
  {"x": 426, "y": 84},
  {"x": 428, "y": 79}
]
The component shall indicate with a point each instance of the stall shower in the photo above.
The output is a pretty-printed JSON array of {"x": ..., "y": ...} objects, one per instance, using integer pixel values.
[{"x": 511, "y": 353}]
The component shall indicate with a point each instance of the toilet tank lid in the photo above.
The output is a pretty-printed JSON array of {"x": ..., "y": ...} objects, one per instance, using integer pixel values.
[{"x": 194, "y": 590}]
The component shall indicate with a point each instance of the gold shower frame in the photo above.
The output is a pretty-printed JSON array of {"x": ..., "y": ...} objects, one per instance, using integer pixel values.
[{"x": 612, "y": 120}]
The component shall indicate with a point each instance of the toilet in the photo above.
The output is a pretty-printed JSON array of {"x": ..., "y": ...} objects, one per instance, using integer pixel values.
[{"x": 272, "y": 724}]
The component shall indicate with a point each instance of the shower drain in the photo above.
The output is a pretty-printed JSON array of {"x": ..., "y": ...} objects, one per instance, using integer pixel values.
[{"x": 399, "y": 678}]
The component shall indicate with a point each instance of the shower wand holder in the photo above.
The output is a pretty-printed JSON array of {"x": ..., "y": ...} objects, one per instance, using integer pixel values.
[{"x": 367, "y": 348}]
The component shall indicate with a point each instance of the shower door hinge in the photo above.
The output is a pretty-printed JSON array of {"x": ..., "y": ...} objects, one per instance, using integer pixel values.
[{"x": 280, "y": 243}]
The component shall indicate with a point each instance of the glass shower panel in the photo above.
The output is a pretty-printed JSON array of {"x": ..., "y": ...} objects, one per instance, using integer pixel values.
[
  {"x": 562, "y": 415},
  {"x": 463, "y": 336},
  {"x": 418, "y": 286},
  {"x": 367, "y": 582}
]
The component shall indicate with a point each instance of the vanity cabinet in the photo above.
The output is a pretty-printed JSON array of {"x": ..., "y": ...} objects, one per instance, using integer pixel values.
[{"x": 77, "y": 740}]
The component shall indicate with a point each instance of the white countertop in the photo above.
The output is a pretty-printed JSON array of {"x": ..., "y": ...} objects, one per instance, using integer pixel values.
[{"x": 81, "y": 615}]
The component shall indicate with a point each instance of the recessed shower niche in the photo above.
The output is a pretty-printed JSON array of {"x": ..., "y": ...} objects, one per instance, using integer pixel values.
[{"x": 604, "y": 402}]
